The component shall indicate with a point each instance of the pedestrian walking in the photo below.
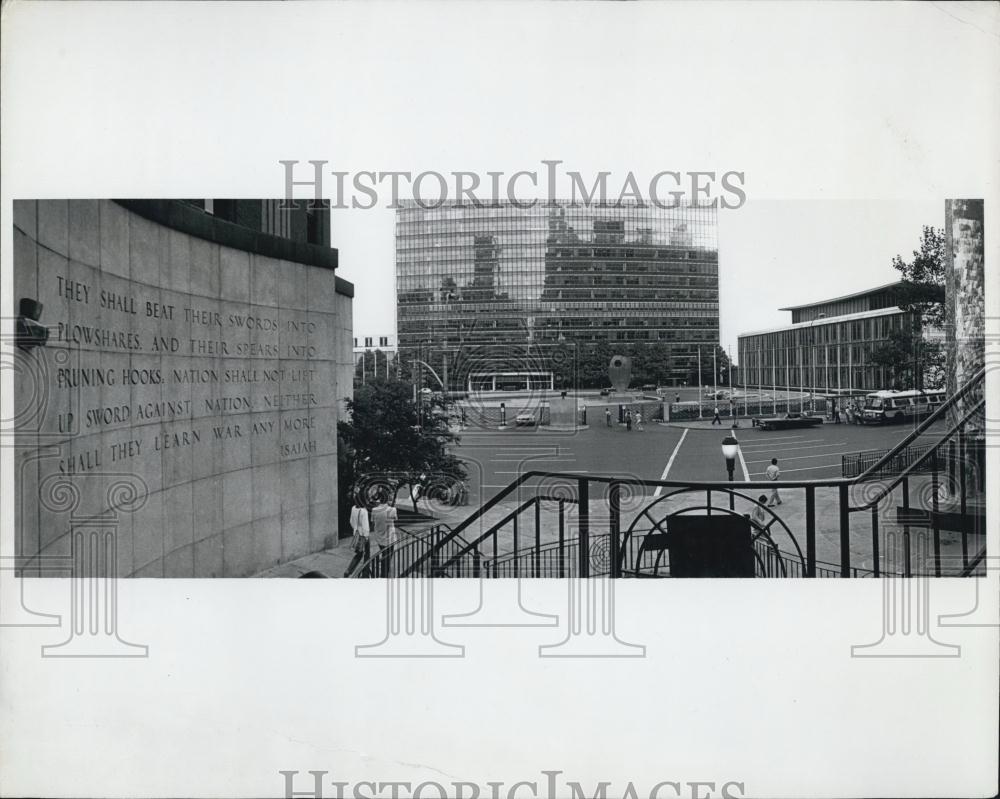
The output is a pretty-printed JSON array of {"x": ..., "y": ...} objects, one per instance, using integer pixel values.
[
  {"x": 772, "y": 472},
  {"x": 677, "y": 397},
  {"x": 628, "y": 420},
  {"x": 383, "y": 531},
  {"x": 716, "y": 419},
  {"x": 836, "y": 413},
  {"x": 759, "y": 515},
  {"x": 638, "y": 420},
  {"x": 607, "y": 416},
  {"x": 360, "y": 542}
]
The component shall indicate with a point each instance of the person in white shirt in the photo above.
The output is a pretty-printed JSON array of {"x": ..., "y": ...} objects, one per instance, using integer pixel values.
[
  {"x": 759, "y": 515},
  {"x": 383, "y": 533},
  {"x": 362, "y": 535},
  {"x": 772, "y": 472}
]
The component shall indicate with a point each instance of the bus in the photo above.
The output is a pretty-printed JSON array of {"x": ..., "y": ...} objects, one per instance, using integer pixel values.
[{"x": 883, "y": 407}]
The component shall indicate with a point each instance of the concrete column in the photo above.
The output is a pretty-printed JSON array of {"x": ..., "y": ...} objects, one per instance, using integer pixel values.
[
  {"x": 964, "y": 292},
  {"x": 965, "y": 318}
]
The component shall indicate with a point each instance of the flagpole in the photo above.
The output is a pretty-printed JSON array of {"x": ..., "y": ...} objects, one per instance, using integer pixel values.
[
  {"x": 760, "y": 377},
  {"x": 715, "y": 374},
  {"x": 774, "y": 381},
  {"x": 699, "y": 381}
]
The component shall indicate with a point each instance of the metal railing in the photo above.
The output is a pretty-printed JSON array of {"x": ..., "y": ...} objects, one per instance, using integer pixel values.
[
  {"x": 740, "y": 408},
  {"x": 857, "y": 463},
  {"x": 588, "y": 532}
]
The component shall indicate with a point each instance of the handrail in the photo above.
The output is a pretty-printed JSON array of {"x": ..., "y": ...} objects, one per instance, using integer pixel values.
[
  {"x": 421, "y": 538},
  {"x": 715, "y": 485},
  {"x": 974, "y": 563},
  {"x": 923, "y": 426},
  {"x": 493, "y": 529},
  {"x": 840, "y": 482},
  {"x": 931, "y": 452}
]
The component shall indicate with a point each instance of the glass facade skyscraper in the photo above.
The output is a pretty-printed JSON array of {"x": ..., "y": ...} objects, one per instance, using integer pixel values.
[{"x": 558, "y": 272}]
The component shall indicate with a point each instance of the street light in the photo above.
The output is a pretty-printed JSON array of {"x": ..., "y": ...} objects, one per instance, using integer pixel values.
[{"x": 730, "y": 451}]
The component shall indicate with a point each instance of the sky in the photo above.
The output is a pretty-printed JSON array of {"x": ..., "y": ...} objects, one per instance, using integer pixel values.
[{"x": 772, "y": 253}]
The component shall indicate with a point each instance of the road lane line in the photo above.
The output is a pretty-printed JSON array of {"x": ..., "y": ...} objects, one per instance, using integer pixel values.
[
  {"x": 666, "y": 469},
  {"x": 743, "y": 465}
]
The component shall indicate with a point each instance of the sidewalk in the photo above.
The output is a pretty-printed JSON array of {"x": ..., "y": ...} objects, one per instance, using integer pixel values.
[
  {"x": 330, "y": 562},
  {"x": 334, "y": 561}
]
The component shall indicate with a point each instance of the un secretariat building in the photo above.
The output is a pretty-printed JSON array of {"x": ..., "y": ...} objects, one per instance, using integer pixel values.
[{"x": 512, "y": 278}]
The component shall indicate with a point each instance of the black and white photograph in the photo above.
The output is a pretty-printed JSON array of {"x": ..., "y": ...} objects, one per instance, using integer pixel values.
[
  {"x": 499, "y": 400},
  {"x": 552, "y": 396}
]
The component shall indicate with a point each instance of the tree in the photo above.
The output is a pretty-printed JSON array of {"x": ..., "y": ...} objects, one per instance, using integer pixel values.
[
  {"x": 395, "y": 442},
  {"x": 896, "y": 354},
  {"x": 922, "y": 291},
  {"x": 922, "y": 295}
]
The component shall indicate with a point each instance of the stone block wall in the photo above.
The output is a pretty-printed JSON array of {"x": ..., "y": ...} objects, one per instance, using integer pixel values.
[{"x": 188, "y": 394}]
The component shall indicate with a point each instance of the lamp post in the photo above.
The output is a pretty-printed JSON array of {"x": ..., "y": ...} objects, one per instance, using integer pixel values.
[{"x": 730, "y": 451}]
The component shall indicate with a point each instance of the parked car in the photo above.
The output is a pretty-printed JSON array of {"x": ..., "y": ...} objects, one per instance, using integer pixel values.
[
  {"x": 788, "y": 422},
  {"x": 525, "y": 419}
]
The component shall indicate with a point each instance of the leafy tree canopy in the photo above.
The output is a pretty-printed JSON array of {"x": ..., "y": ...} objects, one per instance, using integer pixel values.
[
  {"x": 392, "y": 440},
  {"x": 923, "y": 278}
]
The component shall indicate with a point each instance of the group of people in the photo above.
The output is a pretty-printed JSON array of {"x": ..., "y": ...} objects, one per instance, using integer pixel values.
[
  {"x": 630, "y": 419},
  {"x": 852, "y": 413},
  {"x": 374, "y": 531}
]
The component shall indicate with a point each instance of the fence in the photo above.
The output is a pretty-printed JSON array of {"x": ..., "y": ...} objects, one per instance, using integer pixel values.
[
  {"x": 905, "y": 525},
  {"x": 489, "y": 417},
  {"x": 858, "y": 463},
  {"x": 686, "y": 411}
]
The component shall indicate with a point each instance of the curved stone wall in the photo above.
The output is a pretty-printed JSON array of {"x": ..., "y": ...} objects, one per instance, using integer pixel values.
[{"x": 188, "y": 394}]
